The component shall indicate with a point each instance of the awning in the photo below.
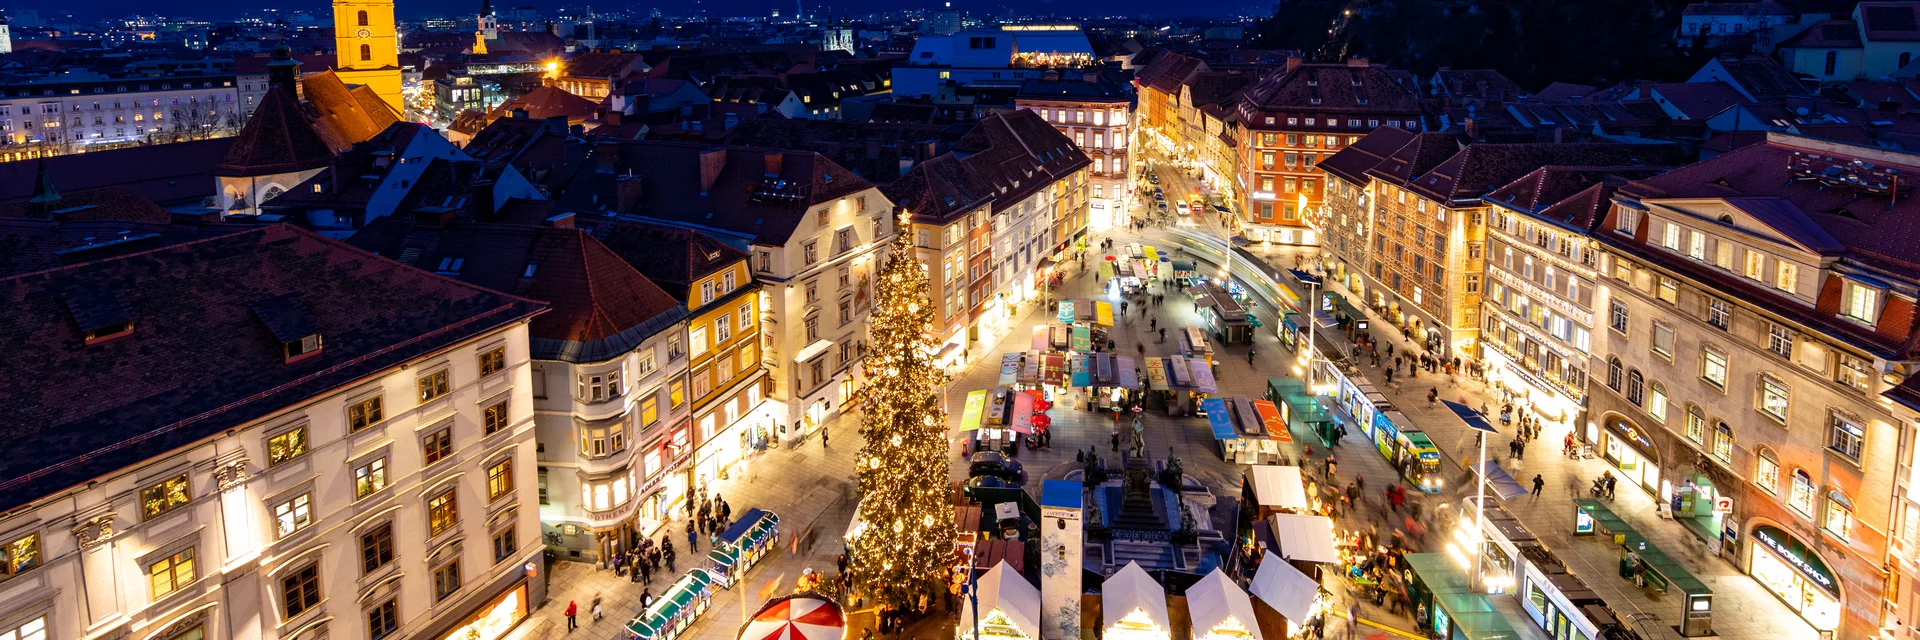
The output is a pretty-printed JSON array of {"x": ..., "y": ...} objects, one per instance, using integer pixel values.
[
  {"x": 1009, "y": 369},
  {"x": 1066, "y": 312},
  {"x": 1054, "y": 370},
  {"x": 1305, "y": 538},
  {"x": 1278, "y": 486},
  {"x": 1151, "y": 254},
  {"x": 1471, "y": 417},
  {"x": 1157, "y": 373},
  {"x": 1202, "y": 376},
  {"x": 1082, "y": 339},
  {"x": 1081, "y": 366},
  {"x": 1215, "y": 602},
  {"x": 682, "y": 594},
  {"x": 818, "y": 347},
  {"x": 1042, "y": 341},
  {"x": 754, "y": 527},
  {"x": 1106, "y": 270},
  {"x": 1285, "y": 588},
  {"x": 1218, "y": 419},
  {"x": 1129, "y": 377},
  {"x": 1131, "y": 597},
  {"x": 949, "y": 349},
  {"x": 974, "y": 411},
  {"x": 1498, "y": 480},
  {"x": 1270, "y": 417},
  {"x": 1022, "y": 412},
  {"x": 1002, "y": 589}
]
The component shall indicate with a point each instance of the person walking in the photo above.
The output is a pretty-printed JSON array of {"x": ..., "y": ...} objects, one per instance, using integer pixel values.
[
  {"x": 1538, "y": 484},
  {"x": 1250, "y": 357},
  {"x": 693, "y": 538},
  {"x": 1331, "y": 465},
  {"x": 573, "y": 609},
  {"x": 596, "y": 609}
]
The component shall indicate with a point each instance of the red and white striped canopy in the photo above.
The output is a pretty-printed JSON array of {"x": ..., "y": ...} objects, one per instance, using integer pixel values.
[{"x": 797, "y": 617}]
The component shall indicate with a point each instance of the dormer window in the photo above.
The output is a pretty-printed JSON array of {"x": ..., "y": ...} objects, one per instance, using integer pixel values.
[
  {"x": 291, "y": 325},
  {"x": 1862, "y": 302},
  {"x": 306, "y": 345},
  {"x": 101, "y": 315},
  {"x": 450, "y": 266},
  {"x": 101, "y": 334}
]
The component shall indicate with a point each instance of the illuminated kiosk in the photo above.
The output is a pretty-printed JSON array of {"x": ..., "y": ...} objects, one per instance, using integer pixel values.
[
  {"x": 1009, "y": 608},
  {"x": 1133, "y": 606},
  {"x": 1285, "y": 600},
  {"x": 1221, "y": 610}
]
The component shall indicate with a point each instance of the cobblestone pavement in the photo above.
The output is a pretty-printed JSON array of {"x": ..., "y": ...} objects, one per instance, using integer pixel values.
[{"x": 811, "y": 486}]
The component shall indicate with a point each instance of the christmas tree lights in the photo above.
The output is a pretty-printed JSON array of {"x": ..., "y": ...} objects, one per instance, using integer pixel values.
[{"x": 906, "y": 549}]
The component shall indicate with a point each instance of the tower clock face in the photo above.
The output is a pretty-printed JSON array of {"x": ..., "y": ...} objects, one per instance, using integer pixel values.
[{"x": 365, "y": 33}]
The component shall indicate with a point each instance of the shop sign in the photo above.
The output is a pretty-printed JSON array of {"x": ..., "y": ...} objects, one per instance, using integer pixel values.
[
  {"x": 1797, "y": 555},
  {"x": 1723, "y": 504},
  {"x": 1631, "y": 433},
  {"x": 616, "y": 515}
]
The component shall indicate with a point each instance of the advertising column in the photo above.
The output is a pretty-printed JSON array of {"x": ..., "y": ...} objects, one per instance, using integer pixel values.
[{"x": 1060, "y": 560}]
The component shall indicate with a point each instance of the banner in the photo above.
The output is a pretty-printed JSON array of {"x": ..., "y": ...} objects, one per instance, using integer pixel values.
[
  {"x": 976, "y": 408},
  {"x": 1103, "y": 312},
  {"x": 1082, "y": 340},
  {"x": 1066, "y": 311}
]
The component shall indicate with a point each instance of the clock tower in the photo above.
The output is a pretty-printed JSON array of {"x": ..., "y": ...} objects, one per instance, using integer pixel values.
[{"x": 367, "y": 48}]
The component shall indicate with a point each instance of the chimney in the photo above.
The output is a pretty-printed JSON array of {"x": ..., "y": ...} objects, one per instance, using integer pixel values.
[
  {"x": 774, "y": 159},
  {"x": 711, "y": 162},
  {"x": 613, "y": 117},
  {"x": 561, "y": 221},
  {"x": 626, "y": 192},
  {"x": 1294, "y": 62},
  {"x": 1356, "y": 62},
  {"x": 606, "y": 156}
]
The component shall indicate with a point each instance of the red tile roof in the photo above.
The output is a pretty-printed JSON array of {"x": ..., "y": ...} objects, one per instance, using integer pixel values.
[
  {"x": 1002, "y": 160},
  {"x": 1351, "y": 164},
  {"x": 168, "y": 174},
  {"x": 1329, "y": 89},
  {"x": 1481, "y": 168},
  {"x": 199, "y": 359},
  {"x": 1547, "y": 186},
  {"x": 1168, "y": 72},
  {"x": 546, "y": 102},
  {"x": 1698, "y": 100},
  {"x": 1827, "y": 34},
  {"x": 344, "y": 116},
  {"x": 105, "y": 203},
  {"x": 278, "y": 138},
  {"x": 671, "y": 257}
]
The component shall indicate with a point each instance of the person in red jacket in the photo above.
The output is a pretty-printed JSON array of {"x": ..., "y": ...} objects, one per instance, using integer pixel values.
[{"x": 573, "y": 609}]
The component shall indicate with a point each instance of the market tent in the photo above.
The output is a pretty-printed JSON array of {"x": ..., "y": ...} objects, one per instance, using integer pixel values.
[
  {"x": 1305, "y": 538},
  {"x": 1128, "y": 376},
  {"x": 1218, "y": 420},
  {"x": 1498, "y": 480},
  {"x": 1220, "y": 609},
  {"x": 1134, "y": 605},
  {"x": 1285, "y": 588},
  {"x": 1278, "y": 486},
  {"x": 1004, "y": 592}
]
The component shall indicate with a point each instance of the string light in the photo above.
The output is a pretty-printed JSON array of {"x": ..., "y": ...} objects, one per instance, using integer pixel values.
[{"x": 904, "y": 476}]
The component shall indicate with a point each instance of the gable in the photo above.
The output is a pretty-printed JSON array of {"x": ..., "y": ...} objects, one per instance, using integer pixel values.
[{"x": 1752, "y": 221}]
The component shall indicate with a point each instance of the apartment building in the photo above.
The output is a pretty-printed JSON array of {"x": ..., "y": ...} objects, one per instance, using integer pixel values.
[
  {"x": 1758, "y": 307},
  {"x": 1095, "y": 110},
  {"x": 608, "y": 373},
  {"x": 1296, "y": 117},
  {"x": 349, "y": 456},
  {"x": 1159, "y": 86},
  {"x": 53, "y": 117},
  {"x": 991, "y": 218},
  {"x": 1541, "y": 282}
]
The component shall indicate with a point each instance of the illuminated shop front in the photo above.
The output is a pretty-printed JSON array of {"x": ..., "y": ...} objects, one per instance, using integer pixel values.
[
  {"x": 495, "y": 619},
  {"x": 1795, "y": 574},
  {"x": 1628, "y": 448}
]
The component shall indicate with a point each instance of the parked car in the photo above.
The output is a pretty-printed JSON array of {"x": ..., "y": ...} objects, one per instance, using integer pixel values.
[{"x": 993, "y": 464}]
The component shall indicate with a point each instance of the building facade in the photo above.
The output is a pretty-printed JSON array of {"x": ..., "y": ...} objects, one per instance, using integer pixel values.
[
  {"x": 50, "y": 118},
  {"x": 1296, "y": 117},
  {"x": 1095, "y": 111},
  {"x": 1752, "y": 326},
  {"x": 315, "y": 475}
]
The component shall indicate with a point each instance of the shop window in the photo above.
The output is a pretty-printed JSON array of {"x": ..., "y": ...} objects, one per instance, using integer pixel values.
[{"x": 1801, "y": 496}]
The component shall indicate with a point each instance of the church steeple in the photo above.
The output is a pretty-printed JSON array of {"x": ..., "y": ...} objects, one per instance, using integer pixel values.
[
  {"x": 45, "y": 198},
  {"x": 489, "y": 28},
  {"x": 367, "y": 47}
]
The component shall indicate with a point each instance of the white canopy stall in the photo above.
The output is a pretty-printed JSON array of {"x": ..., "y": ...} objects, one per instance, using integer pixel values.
[
  {"x": 1305, "y": 538},
  {"x": 1221, "y": 610},
  {"x": 1009, "y": 607},
  {"x": 1278, "y": 488},
  {"x": 1134, "y": 606},
  {"x": 1292, "y": 594}
]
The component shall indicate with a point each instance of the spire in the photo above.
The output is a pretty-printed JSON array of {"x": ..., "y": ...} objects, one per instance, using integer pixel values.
[
  {"x": 45, "y": 197},
  {"x": 282, "y": 71}
]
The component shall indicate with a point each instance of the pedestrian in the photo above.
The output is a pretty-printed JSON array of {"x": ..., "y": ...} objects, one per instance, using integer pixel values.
[
  {"x": 1538, "y": 484},
  {"x": 1330, "y": 465},
  {"x": 823, "y": 436},
  {"x": 693, "y": 538},
  {"x": 1520, "y": 449},
  {"x": 1116, "y": 436},
  {"x": 1163, "y": 335},
  {"x": 1433, "y": 396},
  {"x": 1250, "y": 357},
  {"x": 596, "y": 609},
  {"x": 573, "y": 609},
  {"x": 1153, "y": 322}
]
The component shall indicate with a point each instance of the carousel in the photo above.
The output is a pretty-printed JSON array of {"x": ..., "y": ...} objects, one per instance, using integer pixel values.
[{"x": 800, "y": 616}]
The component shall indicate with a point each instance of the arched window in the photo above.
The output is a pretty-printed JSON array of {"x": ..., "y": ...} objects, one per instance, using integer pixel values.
[
  {"x": 1801, "y": 496},
  {"x": 1723, "y": 443},
  {"x": 1613, "y": 373},
  {"x": 1839, "y": 514},
  {"x": 1833, "y": 57},
  {"x": 1696, "y": 424},
  {"x": 1657, "y": 401},
  {"x": 1634, "y": 387},
  {"x": 1766, "y": 470},
  {"x": 363, "y": 18},
  {"x": 366, "y": 52}
]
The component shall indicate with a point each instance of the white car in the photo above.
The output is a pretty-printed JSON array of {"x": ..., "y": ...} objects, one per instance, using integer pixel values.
[{"x": 1183, "y": 208}]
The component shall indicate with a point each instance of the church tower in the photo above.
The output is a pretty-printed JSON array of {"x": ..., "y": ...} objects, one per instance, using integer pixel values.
[
  {"x": 489, "y": 28},
  {"x": 367, "y": 48}
]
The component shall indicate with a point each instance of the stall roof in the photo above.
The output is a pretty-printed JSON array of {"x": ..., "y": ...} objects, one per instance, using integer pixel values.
[
  {"x": 1305, "y": 538},
  {"x": 1278, "y": 486},
  {"x": 1130, "y": 589},
  {"x": 1218, "y": 420},
  {"x": 1004, "y": 589},
  {"x": 1214, "y": 600},
  {"x": 1284, "y": 588}
]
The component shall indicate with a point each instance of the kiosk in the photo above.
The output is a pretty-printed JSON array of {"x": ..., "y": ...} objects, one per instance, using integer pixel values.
[
  {"x": 1133, "y": 606},
  {"x": 1221, "y": 610},
  {"x": 743, "y": 544}
]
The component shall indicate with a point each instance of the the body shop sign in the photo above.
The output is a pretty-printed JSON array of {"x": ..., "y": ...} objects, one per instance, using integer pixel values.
[{"x": 1797, "y": 555}]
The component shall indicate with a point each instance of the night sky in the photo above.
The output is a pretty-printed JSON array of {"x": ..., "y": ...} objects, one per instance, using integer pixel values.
[{"x": 226, "y": 9}]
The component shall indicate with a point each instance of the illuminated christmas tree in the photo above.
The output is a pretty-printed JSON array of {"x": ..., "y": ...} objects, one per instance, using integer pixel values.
[{"x": 906, "y": 548}]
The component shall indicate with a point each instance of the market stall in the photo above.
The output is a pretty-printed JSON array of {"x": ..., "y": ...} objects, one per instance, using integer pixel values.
[
  {"x": 1281, "y": 588},
  {"x": 1009, "y": 607},
  {"x": 981, "y": 433},
  {"x": 1224, "y": 315},
  {"x": 675, "y": 609},
  {"x": 1304, "y": 538},
  {"x": 1241, "y": 433},
  {"x": 1275, "y": 489},
  {"x": 1133, "y": 606},
  {"x": 1184, "y": 273},
  {"x": 1194, "y": 345},
  {"x": 1218, "y": 609}
]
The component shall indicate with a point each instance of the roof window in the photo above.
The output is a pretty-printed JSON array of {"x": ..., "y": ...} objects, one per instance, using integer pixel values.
[{"x": 102, "y": 315}]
